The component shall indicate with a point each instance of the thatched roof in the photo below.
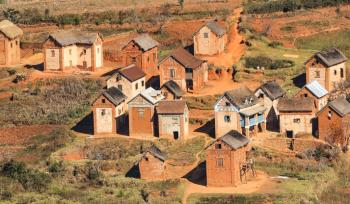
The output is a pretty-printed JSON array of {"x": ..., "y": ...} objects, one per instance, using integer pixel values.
[{"x": 10, "y": 30}]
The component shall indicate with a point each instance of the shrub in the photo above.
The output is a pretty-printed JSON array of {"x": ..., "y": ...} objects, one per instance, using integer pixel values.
[
  {"x": 266, "y": 62},
  {"x": 31, "y": 179},
  {"x": 56, "y": 167},
  {"x": 275, "y": 44}
]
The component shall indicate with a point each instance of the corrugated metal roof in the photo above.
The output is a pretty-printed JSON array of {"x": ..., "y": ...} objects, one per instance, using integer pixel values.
[
  {"x": 114, "y": 95},
  {"x": 152, "y": 95},
  {"x": 341, "y": 106},
  {"x": 242, "y": 97},
  {"x": 145, "y": 42},
  {"x": 317, "y": 89},
  {"x": 71, "y": 37},
  {"x": 10, "y": 30},
  {"x": 185, "y": 58},
  {"x": 234, "y": 139},
  {"x": 216, "y": 28},
  {"x": 171, "y": 107},
  {"x": 296, "y": 104},
  {"x": 331, "y": 56},
  {"x": 272, "y": 90}
]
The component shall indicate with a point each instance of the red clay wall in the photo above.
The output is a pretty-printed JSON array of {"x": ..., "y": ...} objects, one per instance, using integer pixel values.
[
  {"x": 141, "y": 125},
  {"x": 151, "y": 168}
]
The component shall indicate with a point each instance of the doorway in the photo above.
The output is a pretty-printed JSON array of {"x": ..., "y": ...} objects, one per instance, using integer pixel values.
[
  {"x": 84, "y": 65},
  {"x": 176, "y": 135},
  {"x": 289, "y": 133}
]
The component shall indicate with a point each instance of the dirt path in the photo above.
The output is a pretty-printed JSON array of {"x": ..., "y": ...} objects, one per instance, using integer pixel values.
[{"x": 234, "y": 49}]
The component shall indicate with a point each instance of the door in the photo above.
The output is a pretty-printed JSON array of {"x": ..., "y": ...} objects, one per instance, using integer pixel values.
[
  {"x": 176, "y": 135},
  {"x": 84, "y": 65},
  {"x": 289, "y": 133}
]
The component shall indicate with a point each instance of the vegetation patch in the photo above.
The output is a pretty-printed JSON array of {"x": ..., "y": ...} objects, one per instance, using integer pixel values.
[
  {"x": 201, "y": 102},
  {"x": 267, "y": 63}
]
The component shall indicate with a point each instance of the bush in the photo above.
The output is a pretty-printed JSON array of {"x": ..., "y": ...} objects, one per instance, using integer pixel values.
[
  {"x": 56, "y": 167},
  {"x": 266, "y": 62},
  {"x": 275, "y": 44},
  {"x": 31, "y": 179}
]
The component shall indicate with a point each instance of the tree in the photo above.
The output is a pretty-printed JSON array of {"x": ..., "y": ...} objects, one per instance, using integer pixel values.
[{"x": 12, "y": 14}]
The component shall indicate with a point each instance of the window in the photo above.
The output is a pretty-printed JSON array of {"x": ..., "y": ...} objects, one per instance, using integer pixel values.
[
  {"x": 98, "y": 50},
  {"x": 341, "y": 72},
  {"x": 220, "y": 162},
  {"x": 154, "y": 57},
  {"x": 11, "y": 45},
  {"x": 52, "y": 53},
  {"x": 136, "y": 86},
  {"x": 103, "y": 112},
  {"x": 205, "y": 35},
  {"x": 147, "y": 58},
  {"x": 317, "y": 74},
  {"x": 133, "y": 60},
  {"x": 119, "y": 111},
  {"x": 118, "y": 78},
  {"x": 305, "y": 95},
  {"x": 329, "y": 115},
  {"x": 218, "y": 146},
  {"x": 141, "y": 112},
  {"x": 227, "y": 118},
  {"x": 335, "y": 72},
  {"x": 227, "y": 104},
  {"x": 296, "y": 120},
  {"x": 172, "y": 73},
  {"x": 70, "y": 51},
  {"x": 146, "y": 158},
  {"x": 120, "y": 87},
  {"x": 84, "y": 51},
  {"x": 103, "y": 100},
  {"x": 16, "y": 42},
  {"x": 142, "y": 83}
]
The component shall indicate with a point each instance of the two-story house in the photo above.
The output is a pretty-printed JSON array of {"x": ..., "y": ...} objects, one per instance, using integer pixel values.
[{"x": 315, "y": 91}]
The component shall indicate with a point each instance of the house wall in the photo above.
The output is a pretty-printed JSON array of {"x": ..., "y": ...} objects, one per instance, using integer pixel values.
[
  {"x": 271, "y": 113},
  {"x": 164, "y": 72},
  {"x": 311, "y": 68},
  {"x": 168, "y": 124},
  {"x": 334, "y": 75},
  {"x": 10, "y": 50},
  {"x": 221, "y": 110},
  {"x": 229, "y": 173},
  {"x": 167, "y": 94},
  {"x": 99, "y": 55},
  {"x": 146, "y": 60},
  {"x": 52, "y": 62},
  {"x": 104, "y": 123},
  {"x": 128, "y": 87},
  {"x": 151, "y": 168},
  {"x": 287, "y": 122},
  {"x": 319, "y": 103},
  {"x": 199, "y": 78},
  {"x": 208, "y": 46}
]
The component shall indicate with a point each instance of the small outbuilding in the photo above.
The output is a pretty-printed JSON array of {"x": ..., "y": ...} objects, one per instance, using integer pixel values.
[
  {"x": 225, "y": 158},
  {"x": 108, "y": 111},
  {"x": 315, "y": 91},
  {"x": 270, "y": 93},
  {"x": 143, "y": 52},
  {"x": 173, "y": 120},
  {"x": 334, "y": 118},
  {"x": 10, "y": 51},
  {"x": 152, "y": 164},
  {"x": 172, "y": 91},
  {"x": 73, "y": 49},
  {"x": 296, "y": 116},
  {"x": 210, "y": 39}
]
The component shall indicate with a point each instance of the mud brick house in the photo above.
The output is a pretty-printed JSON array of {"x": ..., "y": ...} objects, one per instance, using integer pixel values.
[
  {"x": 172, "y": 91},
  {"x": 108, "y": 111},
  {"x": 210, "y": 39},
  {"x": 239, "y": 110},
  {"x": 173, "y": 120},
  {"x": 296, "y": 116},
  {"x": 316, "y": 91},
  {"x": 152, "y": 164},
  {"x": 189, "y": 72},
  {"x": 131, "y": 80},
  {"x": 270, "y": 93},
  {"x": 335, "y": 116},
  {"x": 10, "y": 51},
  {"x": 224, "y": 158},
  {"x": 142, "y": 114},
  {"x": 143, "y": 52},
  {"x": 73, "y": 49},
  {"x": 327, "y": 67}
]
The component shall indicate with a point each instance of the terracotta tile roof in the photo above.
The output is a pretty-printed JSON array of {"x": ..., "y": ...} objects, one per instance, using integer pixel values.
[
  {"x": 185, "y": 58},
  {"x": 330, "y": 57},
  {"x": 242, "y": 97},
  {"x": 10, "y": 30},
  {"x": 114, "y": 95},
  {"x": 132, "y": 72},
  {"x": 145, "y": 42},
  {"x": 234, "y": 139},
  {"x": 296, "y": 105},
  {"x": 272, "y": 90},
  {"x": 174, "y": 88},
  {"x": 171, "y": 107},
  {"x": 65, "y": 38},
  {"x": 341, "y": 106}
]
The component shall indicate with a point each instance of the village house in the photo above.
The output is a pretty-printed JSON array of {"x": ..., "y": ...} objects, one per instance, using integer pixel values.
[
  {"x": 327, "y": 67},
  {"x": 210, "y": 39},
  {"x": 172, "y": 91},
  {"x": 10, "y": 51},
  {"x": 270, "y": 93},
  {"x": 108, "y": 111},
  {"x": 152, "y": 164},
  {"x": 142, "y": 114},
  {"x": 189, "y": 72},
  {"x": 224, "y": 159},
  {"x": 316, "y": 92},
  {"x": 65, "y": 50},
  {"x": 333, "y": 119},
  {"x": 239, "y": 110},
  {"x": 296, "y": 116},
  {"x": 173, "y": 120},
  {"x": 131, "y": 80},
  {"x": 143, "y": 52}
]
